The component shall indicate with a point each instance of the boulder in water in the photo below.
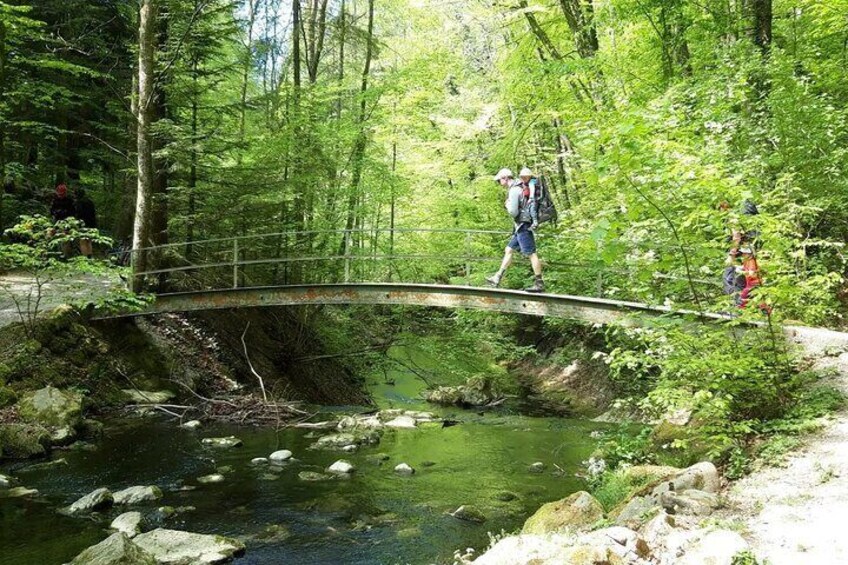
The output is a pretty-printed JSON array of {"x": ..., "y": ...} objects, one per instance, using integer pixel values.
[
  {"x": 5, "y": 481},
  {"x": 192, "y": 424},
  {"x": 50, "y": 406},
  {"x": 117, "y": 549},
  {"x": 173, "y": 547},
  {"x": 404, "y": 469},
  {"x": 404, "y": 422},
  {"x": 259, "y": 461},
  {"x": 211, "y": 479},
  {"x": 18, "y": 492},
  {"x": 96, "y": 500},
  {"x": 537, "y": 467},
  {"x": 341, "y": 440},
  {"x": 222, "y": 442},
  {"x": 137, "y": 495},
  {"x": 148, "y": 396},
  {"x": 469, "y": 513},
  {"x": 280, "y": 456},
  {"x": 128, "y": 523},
  {"x": 341, "y": 467},
  {"x": 312, "y": 476}
]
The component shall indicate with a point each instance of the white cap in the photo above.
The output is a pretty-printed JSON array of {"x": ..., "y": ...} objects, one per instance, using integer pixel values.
[
  {"x": 503, "y": 173},
  {"x": 525, "y": 172}
]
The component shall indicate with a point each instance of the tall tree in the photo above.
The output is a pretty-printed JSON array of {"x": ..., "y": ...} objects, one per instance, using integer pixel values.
[{"x": 146, "y": 172}]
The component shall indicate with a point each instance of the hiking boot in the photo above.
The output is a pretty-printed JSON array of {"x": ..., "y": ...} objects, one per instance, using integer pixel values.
[
  {"x": 494, "y": 280},
  {"x": 538, "y": 286}
]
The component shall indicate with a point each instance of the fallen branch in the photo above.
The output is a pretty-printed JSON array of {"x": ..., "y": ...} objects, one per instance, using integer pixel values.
[{"x": 249, "y": 364}]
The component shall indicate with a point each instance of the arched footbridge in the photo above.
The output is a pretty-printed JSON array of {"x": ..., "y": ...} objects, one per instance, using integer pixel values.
[{"x": 386, "y": 267}]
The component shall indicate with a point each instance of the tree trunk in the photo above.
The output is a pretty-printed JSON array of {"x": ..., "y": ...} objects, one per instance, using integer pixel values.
[
  {"x": 358, "y": 155},
  {"x": 580, "y": 16},
  {"x": 159, "y": 102},
  {"x": 141, "y": 226},
  {"x": 253, "y": 5},
  {"x": 192, "y": 172},
  {"x": 297, "y": 29},
  {"x": 761, "y": 13}
]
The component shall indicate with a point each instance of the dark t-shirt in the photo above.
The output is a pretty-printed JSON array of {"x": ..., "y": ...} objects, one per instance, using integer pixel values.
[{"x": 62, "y": 208}]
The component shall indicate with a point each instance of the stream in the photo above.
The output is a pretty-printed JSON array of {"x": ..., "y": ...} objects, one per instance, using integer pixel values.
[{"x": 376, "y": 516}]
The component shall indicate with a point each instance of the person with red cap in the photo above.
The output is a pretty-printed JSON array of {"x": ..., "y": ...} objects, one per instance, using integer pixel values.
[{"x": 63, "y": 206}]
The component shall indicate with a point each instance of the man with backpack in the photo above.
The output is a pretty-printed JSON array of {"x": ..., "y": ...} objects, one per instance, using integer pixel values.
[{"x": 521, "y": 205}]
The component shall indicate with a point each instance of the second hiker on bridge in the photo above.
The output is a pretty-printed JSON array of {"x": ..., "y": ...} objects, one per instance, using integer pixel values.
[{"x": 521, "y": 206}]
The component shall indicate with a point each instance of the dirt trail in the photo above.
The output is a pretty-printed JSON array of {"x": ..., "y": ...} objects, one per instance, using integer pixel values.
[
  {"x": 797, "y": 513},
  {"x": 53, "y": 293}
]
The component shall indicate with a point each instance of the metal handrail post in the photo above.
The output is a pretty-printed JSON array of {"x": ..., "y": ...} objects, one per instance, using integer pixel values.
[
  {"x": 235, "y": 262},
  {"x": 347, "y": 257},
  {"x": 467, "y": 260}
]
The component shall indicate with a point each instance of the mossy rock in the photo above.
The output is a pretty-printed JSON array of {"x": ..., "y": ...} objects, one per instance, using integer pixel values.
[
  {"x": 51, "y": 407},
  {"x": 577, "y": 512},
  {"x": 22, "y": 441}
]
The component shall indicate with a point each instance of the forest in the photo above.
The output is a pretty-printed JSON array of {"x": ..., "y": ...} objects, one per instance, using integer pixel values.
[
  {"x": 643, "y": 115},
  {"x": 336, "y": 140}
]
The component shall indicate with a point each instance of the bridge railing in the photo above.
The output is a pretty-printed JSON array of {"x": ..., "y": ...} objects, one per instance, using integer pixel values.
[{"x": 423, "y": 255}]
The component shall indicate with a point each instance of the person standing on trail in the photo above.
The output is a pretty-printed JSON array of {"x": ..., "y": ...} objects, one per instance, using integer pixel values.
[
  {"x": 520, "y": 205},
  {"x": 86, "y": 213}
]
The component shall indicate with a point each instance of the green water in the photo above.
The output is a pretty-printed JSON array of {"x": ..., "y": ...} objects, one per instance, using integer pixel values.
[{"x": 374, "y": 517}]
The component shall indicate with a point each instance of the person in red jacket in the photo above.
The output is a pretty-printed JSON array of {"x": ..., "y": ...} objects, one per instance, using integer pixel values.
[{"x": 751, "y": 272}]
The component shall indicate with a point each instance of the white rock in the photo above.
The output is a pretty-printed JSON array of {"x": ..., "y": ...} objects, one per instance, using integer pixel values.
[
  {"x": 192, "y": 424},
  {"x": 211, "y": 479},
  {"x": 149, "y": 396},
  {"x": 172, "y": 547},
  {"x": 657, "y": 531},
  {"x": 341, "y": 467},
  {"x": 347, "y": 423},
  {"x": 404, "y": 469},
  {"x": 280, "y": 456},
  {"x": 137, "y": 495},
  {"x": 259, "y": 461},
  {"x": 691, "y": 502},
  {"x": 95, "y": 500},
  {"x": 5, "y": 481},
  {"x": 230, "y": 441},
  {"x": 117, "y": 549},
  {"x": 701, "y": 476},
  {"x": 350, "y": 448},
  {"x": 716, "y": 548},
  {"x": 405, "y": 422},
  {"x": 128, "y": 523},
  {"x": 18, "y": 492}
]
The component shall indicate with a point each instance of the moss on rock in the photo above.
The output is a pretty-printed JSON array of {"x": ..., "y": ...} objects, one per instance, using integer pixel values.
[
  {"x": 577, "y": 512},
  {"x": 22, "y": 441}
]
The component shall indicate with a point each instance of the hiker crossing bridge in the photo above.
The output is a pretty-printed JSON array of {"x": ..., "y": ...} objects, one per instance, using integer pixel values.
[{"x": 388, "y": 267}]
